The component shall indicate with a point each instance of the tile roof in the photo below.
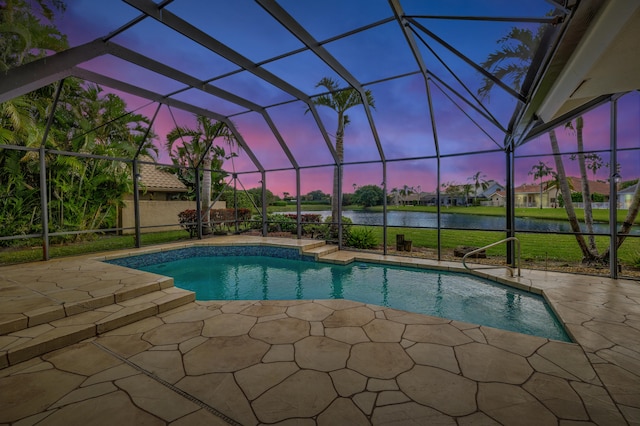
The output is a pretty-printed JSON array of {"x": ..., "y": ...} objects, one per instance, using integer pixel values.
[
  {"x": 594, "y": 186},
  {"x": 152, "y": 178}
]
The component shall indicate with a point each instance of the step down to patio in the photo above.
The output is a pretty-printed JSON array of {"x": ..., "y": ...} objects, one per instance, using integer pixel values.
[
  {"x": 320, "y": 251},
  {"x": 33, "y": 341},
  {"x": 36, "y": 308}
]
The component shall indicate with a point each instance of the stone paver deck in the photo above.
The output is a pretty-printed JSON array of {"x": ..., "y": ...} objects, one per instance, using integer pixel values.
[{"x": 333, "y": 362}]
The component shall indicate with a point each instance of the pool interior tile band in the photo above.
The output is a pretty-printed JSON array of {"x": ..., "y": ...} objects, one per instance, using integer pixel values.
[{"x": 148, "y": 259}]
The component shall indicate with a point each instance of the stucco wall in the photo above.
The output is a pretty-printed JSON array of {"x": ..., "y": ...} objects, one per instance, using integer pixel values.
[{"x": 154, "y": 213}]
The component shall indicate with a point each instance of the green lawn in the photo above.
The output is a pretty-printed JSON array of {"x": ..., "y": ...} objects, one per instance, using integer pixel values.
[
  {"x": 104, "y": 243},
  {"x": 535, "y": 247}
]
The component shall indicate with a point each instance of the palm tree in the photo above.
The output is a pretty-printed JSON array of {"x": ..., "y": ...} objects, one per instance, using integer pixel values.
[
  {"x": 594, "y": 165},
  {"x": 518, "y": 49},
  {"x": 511, "y": 62},
  {"x": 85, "y": 192},
  {"x": 466, "y": 189},
  {"x": 197, "y": 146},
  {"x": 339, "y": 101},
  {"x": 554, "y": 182},
  {"x": 479, "y": 182},
  {"x": 405, "y": 192},
  {"x": 566, "y": 195},
  {"x": 539, "y": 171}
]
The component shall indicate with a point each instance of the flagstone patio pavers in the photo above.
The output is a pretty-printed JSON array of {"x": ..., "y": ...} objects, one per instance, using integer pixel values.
[
  {"x": 258, "y": 376},
  {"x": 328, "y": 362}
]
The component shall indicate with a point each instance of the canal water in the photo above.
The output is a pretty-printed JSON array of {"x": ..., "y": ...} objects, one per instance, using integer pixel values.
[{"x": 462, "y": 221}]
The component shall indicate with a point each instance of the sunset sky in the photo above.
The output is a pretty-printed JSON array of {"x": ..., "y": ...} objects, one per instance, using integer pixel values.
[{"x": 401, "y": 113}]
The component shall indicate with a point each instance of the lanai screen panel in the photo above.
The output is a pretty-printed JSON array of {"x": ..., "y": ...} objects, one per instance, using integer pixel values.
[
  {"x": 301, "y": 133},
  {"x": 358, "y": 175},
  {"x": 262, "y": 140},
  {"x": 304, "y": 70},
  {"x": 119, "y": 69},
  {"x": 359, "y": 144},
  {"x": 209, "y": 102},
  {"x": 282, "y": 183},
  {"x": 461, "y": 131},
  {"x": 402, "y": 118},
  {"x": 242, "y": 25},
  {"x": 414, "y": 176},
  {"x": 252, "y": 88},
  {"x": 84, "y": 21},
  {"x": 316, "y": 179},
  {"x": 374, "y": 54},
  {"x": 161, "y": 43},
  {"x": 327, "y": 19},
  {"x": 629, "y": 114}
]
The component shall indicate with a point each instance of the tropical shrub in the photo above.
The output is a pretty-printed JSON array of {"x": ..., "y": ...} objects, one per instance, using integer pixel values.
[
  {"x": 189, "y": 221},
  {"x": 635, "y": 260},
  {"x": 329, "y": 232},
  {"x": 275, "y": 223},
  {"x": 311, "y": 223},
  {"x": 361, "y": 238}
]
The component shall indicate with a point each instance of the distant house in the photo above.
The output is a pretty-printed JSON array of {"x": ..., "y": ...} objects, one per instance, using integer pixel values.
[
  {"x": 455, "y": 196},
  {"x": 493, "y": 195},
  {"x": 528, "y": 195},
  {"x": 162, "y": 197},
  {"x": 412, "y": 199},
  {"x": 496, "y": 199},
  {"x": 157, "y": 184},
  {"x": 491, "y": 188}
]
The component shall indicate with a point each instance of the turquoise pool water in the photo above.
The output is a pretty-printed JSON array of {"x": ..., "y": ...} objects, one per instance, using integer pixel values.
[{"x": 454, "y": 296}]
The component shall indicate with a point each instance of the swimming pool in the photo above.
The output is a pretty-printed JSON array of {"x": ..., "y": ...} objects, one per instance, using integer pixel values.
[{"x": 272, "y": 273}]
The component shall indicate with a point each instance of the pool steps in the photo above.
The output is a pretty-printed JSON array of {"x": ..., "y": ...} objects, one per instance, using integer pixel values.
[
  {"x": 320, "y": 251},
  {"x": 46, "y": 329}
]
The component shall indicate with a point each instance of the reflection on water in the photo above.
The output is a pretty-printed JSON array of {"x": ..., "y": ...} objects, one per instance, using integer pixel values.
[{"x": 463, "y": 221}]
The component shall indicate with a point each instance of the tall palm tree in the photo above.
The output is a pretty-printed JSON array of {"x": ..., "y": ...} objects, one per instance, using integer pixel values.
[
  {"x": 540, "y": 171},
  {"x": 340, "y": 101},
  {"x": 405, "y": 192},
  {"x": 197, "y": 146},
  {"x": 511, "y": 62},
  {"x": 479, "y": 182},
  {"x": 586, "y": 191},
  {"x": 566, "y": 195},
  {"x": 554, "y": 182}
]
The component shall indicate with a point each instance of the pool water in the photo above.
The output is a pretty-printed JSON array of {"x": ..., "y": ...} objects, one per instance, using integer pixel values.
[{"x": 449, "y": 295}]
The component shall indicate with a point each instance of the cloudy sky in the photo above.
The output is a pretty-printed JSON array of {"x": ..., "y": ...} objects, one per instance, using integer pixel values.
[{"x": 401, "y": 116}]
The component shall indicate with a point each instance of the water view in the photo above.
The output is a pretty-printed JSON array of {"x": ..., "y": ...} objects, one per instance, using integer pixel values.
[{"x": 463, "y": 221}]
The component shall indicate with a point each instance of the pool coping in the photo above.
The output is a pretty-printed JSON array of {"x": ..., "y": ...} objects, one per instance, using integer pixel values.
[
  {"x": 331, "y": 254},
  {"x": 322, "y": 256}
]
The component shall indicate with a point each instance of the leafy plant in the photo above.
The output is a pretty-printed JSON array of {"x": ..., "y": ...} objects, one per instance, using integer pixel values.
[
  {"x": 189, "y": 221},
  {"x": 276, "y": 223},
  {"x": 634, "y": 259},
  {"x": 362, "y": 238},
  {"x": 328, "y": 231}
]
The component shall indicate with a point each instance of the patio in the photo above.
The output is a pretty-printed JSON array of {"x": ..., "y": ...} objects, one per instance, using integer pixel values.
[{"x": 93, "y": 342}]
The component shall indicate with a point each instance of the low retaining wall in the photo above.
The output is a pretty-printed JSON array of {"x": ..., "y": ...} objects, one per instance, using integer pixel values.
[{"x": 154, "y": 213}]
